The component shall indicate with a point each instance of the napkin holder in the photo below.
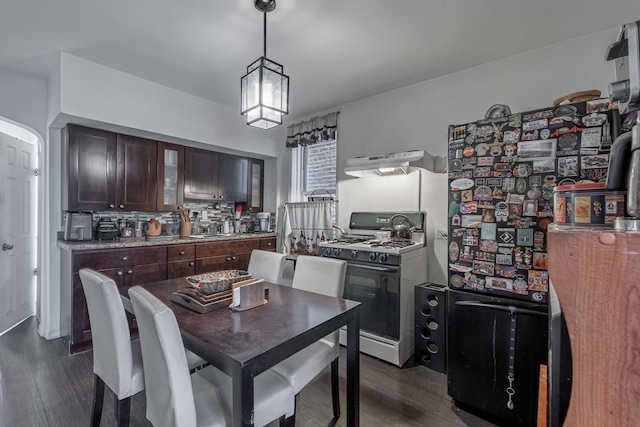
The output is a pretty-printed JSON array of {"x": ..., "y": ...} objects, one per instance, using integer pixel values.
[{"x": 248, "y": 296}]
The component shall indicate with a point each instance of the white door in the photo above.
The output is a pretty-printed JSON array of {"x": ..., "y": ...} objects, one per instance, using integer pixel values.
[{"x": 18, "y": 188}]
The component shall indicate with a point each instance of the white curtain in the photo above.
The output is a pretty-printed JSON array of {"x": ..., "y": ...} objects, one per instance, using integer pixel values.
[{"x": 305, "y": 225}]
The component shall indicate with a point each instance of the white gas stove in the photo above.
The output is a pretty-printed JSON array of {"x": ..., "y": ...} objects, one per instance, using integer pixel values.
[{"x": 382, "y": 273}]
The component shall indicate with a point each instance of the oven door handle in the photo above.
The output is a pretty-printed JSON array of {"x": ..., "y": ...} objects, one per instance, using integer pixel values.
[{"x": 381, "y": 268}]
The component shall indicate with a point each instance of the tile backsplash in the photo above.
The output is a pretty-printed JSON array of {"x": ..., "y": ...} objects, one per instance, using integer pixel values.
[{"x": 210, "y": 218}]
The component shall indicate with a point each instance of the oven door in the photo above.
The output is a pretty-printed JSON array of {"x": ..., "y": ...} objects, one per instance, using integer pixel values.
[{"x": 377, "y": 287}]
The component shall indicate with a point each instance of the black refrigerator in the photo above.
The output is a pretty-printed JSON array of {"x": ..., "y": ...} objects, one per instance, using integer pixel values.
[{"x": 502, "y": 175}]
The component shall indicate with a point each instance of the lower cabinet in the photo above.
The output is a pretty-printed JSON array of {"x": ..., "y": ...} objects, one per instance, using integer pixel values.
[
  {"x": 225, "y": 255},
  {"x": 127, "y": 267},
  {"x": 136, "y": 266}
]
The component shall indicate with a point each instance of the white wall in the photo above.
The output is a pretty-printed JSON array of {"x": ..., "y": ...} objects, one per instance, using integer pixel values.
[
  {"x": 418, "y": 116},
  {"x": 94, "y": 92}
]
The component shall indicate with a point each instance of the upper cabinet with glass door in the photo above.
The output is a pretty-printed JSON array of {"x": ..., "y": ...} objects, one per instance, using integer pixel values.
[
  {"x": 256, "y": 185},
  {"x": 170, "y": 177}
]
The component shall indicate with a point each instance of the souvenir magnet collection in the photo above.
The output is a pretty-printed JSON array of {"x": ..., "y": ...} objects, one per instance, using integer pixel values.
[{"x": 501, "y": 192}]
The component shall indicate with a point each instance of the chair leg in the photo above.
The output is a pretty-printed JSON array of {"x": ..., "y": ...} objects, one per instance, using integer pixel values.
[
  {"x": 98, "y": 399},
  {"x": 124, "y": 409},
  {"x": 335, "y": 389}
]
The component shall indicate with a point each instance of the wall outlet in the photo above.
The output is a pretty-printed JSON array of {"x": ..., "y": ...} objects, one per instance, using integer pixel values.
[{"x": 442, "y": 234}]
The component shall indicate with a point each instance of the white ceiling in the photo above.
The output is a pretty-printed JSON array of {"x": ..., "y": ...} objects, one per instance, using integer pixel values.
[{"x": 335, "y": 51}]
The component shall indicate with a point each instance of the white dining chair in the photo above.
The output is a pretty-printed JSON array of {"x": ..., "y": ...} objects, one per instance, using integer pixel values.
[
  {"x": 267, "y": 265},
  {"x": 175, "y": 398},
  {"x": 117, "y": 361},
  {"x": 323, "y": 276}
]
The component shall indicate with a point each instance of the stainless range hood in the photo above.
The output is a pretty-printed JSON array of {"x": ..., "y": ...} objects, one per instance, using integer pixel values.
[{"x": 390, "y": 164}]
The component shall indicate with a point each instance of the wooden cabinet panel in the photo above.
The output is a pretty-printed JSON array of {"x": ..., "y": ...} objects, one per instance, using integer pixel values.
[
  {"x": 244, "y": 246},
  {"x": 206, "y": 265},
  {"x": 205, "y": 250},
  {"x": 181, "y": 252},
  {"x": 200, "y": 174},
  {"x": 137, "y": 173},
  {"x": 181, "y": 269},
  {"x": 170, "y": 185},
  {"x": 141, "y": 274},
  {"x": 268, "y": 244},
  {"x": 91, "y": 169},
  {"x": 113, "y": 258},
  {"x": 232, "y": 178}
]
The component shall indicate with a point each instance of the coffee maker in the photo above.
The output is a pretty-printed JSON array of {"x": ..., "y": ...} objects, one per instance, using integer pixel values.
[
  {"x": 624, "y": 162},
  {"x": 265, "y": 220}
]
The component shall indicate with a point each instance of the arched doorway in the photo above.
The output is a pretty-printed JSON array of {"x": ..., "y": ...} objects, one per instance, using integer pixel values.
[{"x": 18, "y": 223}]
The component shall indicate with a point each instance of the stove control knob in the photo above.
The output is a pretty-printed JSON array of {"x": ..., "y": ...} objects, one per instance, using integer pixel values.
[
  {"x": 336, "y": 252},
  {"x": 383, "y": 257},
  {"x": 373, "y": 256},
  {"x": 323, "y": 251},
  {"x": 354, "y": 254}
]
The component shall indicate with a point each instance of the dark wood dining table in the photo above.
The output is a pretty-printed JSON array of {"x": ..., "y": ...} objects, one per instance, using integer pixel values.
[{"x": 243, "y": 344}]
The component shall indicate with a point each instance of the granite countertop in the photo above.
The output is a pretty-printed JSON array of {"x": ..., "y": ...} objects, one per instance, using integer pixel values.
[{"x": 114, "y": 244}]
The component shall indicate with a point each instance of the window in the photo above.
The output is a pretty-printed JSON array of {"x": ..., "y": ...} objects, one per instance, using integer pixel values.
[{"x": 314, "y": 172}]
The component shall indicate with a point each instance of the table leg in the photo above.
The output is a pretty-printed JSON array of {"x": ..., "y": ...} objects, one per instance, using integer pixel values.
[
  {"x": 353, "y": 371},
  {"x": 243, "y": 414}
]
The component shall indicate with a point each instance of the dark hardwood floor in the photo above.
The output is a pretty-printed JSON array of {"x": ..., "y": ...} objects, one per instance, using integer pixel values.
[{"x": 42, "y": 385}]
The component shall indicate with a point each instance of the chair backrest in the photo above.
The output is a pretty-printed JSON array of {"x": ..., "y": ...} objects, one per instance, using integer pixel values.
[
  {"x": 320, "y": 275},
  {"x": 112, "y": 357},
  {"x": 266, "y": 265},
  {"x": 166, "y": 373}
]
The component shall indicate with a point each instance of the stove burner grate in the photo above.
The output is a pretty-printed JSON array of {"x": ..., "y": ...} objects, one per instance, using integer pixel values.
[
  {"x": 394, "y": 243},
  {"x": 347, "y": 239}
]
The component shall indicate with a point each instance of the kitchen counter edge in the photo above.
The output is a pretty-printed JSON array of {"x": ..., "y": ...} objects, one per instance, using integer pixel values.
[{"x": 95, "y": 244}]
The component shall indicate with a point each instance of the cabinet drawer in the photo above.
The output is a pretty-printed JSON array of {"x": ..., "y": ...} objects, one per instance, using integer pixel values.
[
  {"x": 268, "y": 244},
  {"x": 212, "y": 249},
  {"x": 244, "y": 246},
  {"x": 115, "y": 258},
  {"x": 181, "y": 252},
  {"x": 181, "y": 269},
  {"x": 216, "y": 263}
]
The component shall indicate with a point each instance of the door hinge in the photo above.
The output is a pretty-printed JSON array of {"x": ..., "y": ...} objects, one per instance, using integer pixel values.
[
  {"x": 36, "y": 171},
  {"x": 35, "y": 271}
]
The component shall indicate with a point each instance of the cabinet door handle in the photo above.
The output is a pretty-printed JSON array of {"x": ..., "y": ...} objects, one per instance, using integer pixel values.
[
  {"x": 119, "y": 273},
  {"x": 121, "y": 206},
  {"x": 181, "y": 252},
  {"x": 191, "y": 264},
  {"x": 269, "y": 244},
  {"x": 228, "y": 259},
  {"x": 129, "y": 271},
  {"x": 112, "y": 206},
  {"x": 179, "y": 208},
  {"x": 124, "y": 258},
  {"x": 233, "y": 258}
]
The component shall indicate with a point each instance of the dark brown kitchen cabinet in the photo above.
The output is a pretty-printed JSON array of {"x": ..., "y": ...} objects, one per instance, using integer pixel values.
[
  {"x": 108, "y": 171},
  {"x": 268, "y": 244},
  {"x": 232, "y": 178},
  {"x": 170, "y": 184},
  {"x": 215, "y": 176},
  {"x": 200, "y": 174},
  {"x": 127, "y": 267},
  {"x": 91, "y": 169},
  {"x": 225, "y": 255},
  {"x": 181, "y": 261},
  {"x": 256, "y": 185},
  {"x": 137, "y": 173}
]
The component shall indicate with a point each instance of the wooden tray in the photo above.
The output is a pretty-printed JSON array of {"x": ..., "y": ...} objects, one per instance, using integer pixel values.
[{"x": 195, "y": 300}]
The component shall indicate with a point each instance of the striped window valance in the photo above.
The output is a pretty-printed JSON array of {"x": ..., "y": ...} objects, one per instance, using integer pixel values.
[{"x": 312, "y": 131}]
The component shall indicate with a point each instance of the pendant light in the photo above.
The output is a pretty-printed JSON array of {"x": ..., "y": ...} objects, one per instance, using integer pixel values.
[{"x": 265, "y": 87}]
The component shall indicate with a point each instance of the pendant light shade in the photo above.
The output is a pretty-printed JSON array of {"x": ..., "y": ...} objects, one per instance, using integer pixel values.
[{"x": 265, "y": 87}]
